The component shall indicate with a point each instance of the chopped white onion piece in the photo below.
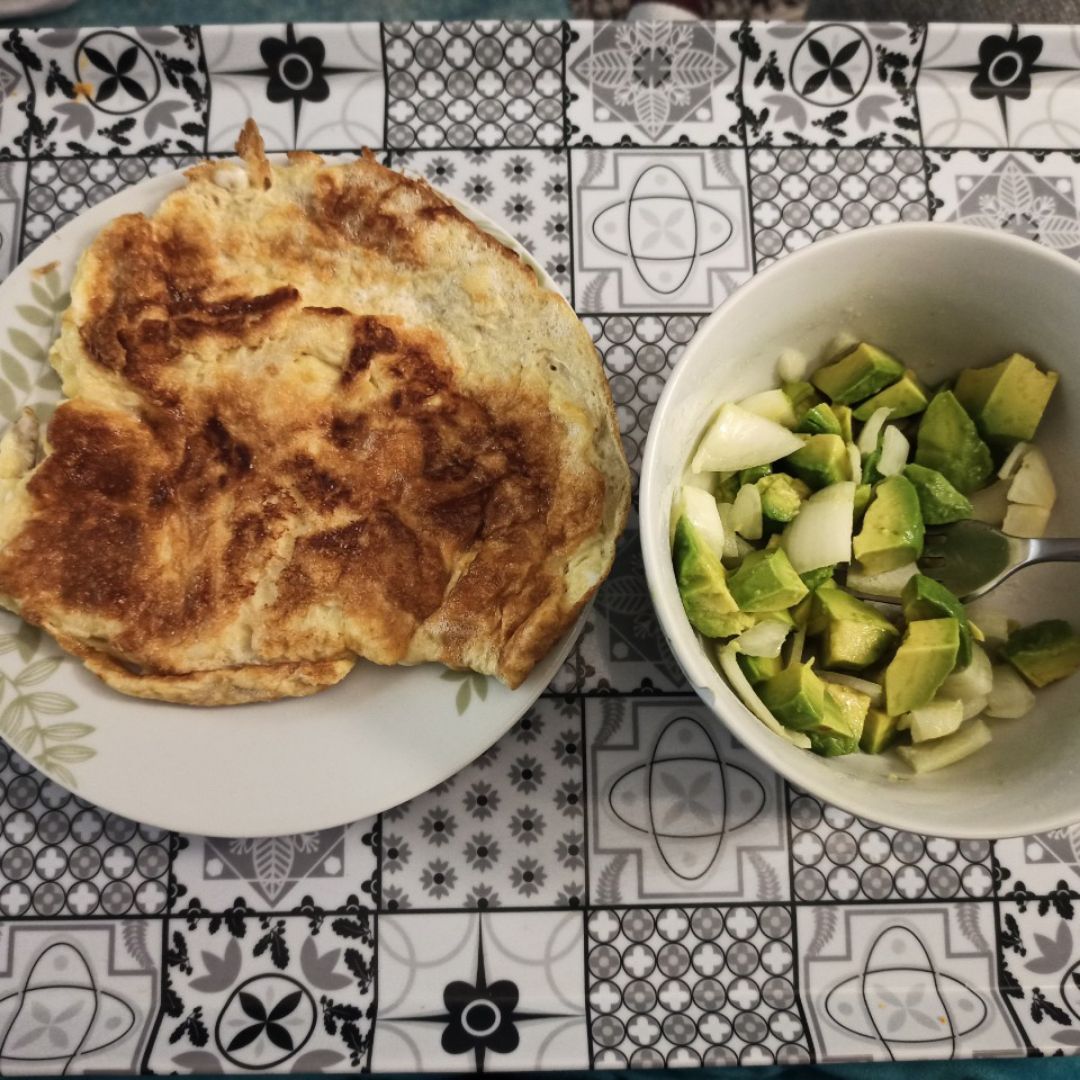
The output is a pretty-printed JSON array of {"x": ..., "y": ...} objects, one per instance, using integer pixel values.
[
  {"x": 872, "y": 690},
  {"x": 990, "y": 503},
  {"x": 1011, "y": 697},
  {"x": 936, "y": 720},
  {"x": 1033, "y": 485},
  {"x": 1029, "y": 521},
  {"x": 953, "y": 748},
  {"x": 821, "y": 534},
  {"x": 774, "y": 405},
  {"x": 729, "y": 665},
  {"x": 1012, "y": 462},
  {"x": 974, "y": 681},
  {"x": 974, "y": 706},
  {"x": 889, "y": 584},
  {"x": 844, "y": 342},
  {"x": 738, "y": 439},
  {"x": 748, "y": 520},
  {"x": 699, "y": 509},
  {"x": 854, "y": 461},
  {"x": 765, "y": 639},
  {"x": 742, "y": 547},
  {"x": 868, "y": 437},
  {"x": 727, "y": 519},
  {"x": 894, "y": 451},
  {"x": 792, "y": 365}
]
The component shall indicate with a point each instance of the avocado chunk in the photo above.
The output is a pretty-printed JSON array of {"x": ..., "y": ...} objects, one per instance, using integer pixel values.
[
  {"x": 925, "y": 598},
  {"x": 843, "y": 416},
  {"x": 759, "y": 668},
  {"x": 796, "y": 697},
  {"x": 814, "y": 579},
  {"x": 859, "y": 373},
  {"x": 802, "y": 397},
  {"x": 878, "y": 733},
  {"x": 702, "y": 581},
  {"x": 820, "y": 420},
  {"x": 949, "y": 442},
  {"x": 1006, "y": 400},
  {"x": 766, "y": 581},
  {"x": 922, "y": 663},
  {"x": 905, "y": 397},
  {"x": 870, "y": 474},
  {"x": 892, "y": 530},
  {"x": 1044, "y": 652},
  {"x": 823, "y": 460},
  {"x": 855, "y": 635},
  {"x": 862, "y": 500},
  {"x": 781, "y": 496},
  {"x": 940, "y": 502},
  {"x": 752, "y": 476},
  {"x": 842, "y": 725}
]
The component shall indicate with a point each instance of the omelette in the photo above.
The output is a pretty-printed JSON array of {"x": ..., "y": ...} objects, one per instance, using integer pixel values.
[{"x": 313, "y": 414}]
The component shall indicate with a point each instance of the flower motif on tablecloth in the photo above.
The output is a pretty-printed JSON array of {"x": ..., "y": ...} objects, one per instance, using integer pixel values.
[
  {"x": 652, "y": 74},
  {"x": 1004, "y": 70},
  {"x": 296, "y": 71},
  {"x": 127, "y": 77}
]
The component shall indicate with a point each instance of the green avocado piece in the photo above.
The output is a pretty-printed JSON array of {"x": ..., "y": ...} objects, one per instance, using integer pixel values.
[
  {"x": 766, "y": 581},
  {"x": 922, "y": 663},
  {"x": 727, "y": 487},
  {"x": 949, "y": 442},
  {"x": 870, "y": 474},
  {"x": 905, "y": 397},
  {"x": 702, "y": 581},
  {"x": 752, "y": 476},
  {"x": 940, "y": 502},
  {"x": 855, "y": 634},
  {"x": 925, "y": 598},
  {"x": 843, "y": 416},
  {"x": 759, "y": 668},
  {"x": 814, "y": 579},
  {"x": 878, "y": 733},
  {"x": 1044, "y": 652},
  {"x": 781, "y": 496},
  {"x": 892, "y": 528},
  {"x": 820, "y": 420},
  {"x": 862, "y": 500},
  {"x": 1006, "y": 400},
  {"x": 802, "y": 611},
  {"x": 796, "y": 697},
  {"x": 841, "y": 726},
  {"x": 859, "y": 373},
  {"x": 802, "y": 397},
  {"x": 823, "y": 460}
]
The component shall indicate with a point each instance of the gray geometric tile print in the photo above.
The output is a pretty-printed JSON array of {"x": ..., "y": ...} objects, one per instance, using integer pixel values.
[
  {"x": 658, "y": 233},
  {"x": 617, "y": 880}
]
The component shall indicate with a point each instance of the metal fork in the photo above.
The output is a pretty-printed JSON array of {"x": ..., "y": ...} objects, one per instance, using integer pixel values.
[{"x": 971, "y": 557}]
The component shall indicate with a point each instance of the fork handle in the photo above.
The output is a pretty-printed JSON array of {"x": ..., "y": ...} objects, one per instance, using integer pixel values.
[{"x": 1066, "y": 549}]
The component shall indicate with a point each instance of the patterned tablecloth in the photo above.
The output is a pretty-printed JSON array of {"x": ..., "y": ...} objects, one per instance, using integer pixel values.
[{"x": 616, "y": 880}]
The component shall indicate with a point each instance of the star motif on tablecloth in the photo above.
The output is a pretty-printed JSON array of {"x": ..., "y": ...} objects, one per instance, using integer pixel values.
[
  {"x": 1004, "y": 70},
  {"x": 481, "y": 1016},
  {"x": 295, "y": 71}
]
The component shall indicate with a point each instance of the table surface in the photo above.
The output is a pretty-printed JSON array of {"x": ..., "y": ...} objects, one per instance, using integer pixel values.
[{"x": 547, "y": 907}]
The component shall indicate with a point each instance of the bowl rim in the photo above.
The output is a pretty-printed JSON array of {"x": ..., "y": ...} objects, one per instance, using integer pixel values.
[{"x": 656, "y": 553}]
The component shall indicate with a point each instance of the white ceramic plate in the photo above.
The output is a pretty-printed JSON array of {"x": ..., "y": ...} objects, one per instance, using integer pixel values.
[{"x": 379, "y": 737}]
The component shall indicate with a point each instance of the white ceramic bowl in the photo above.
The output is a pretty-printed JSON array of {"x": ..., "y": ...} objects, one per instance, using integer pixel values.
[{"x": 940, "y": 297}]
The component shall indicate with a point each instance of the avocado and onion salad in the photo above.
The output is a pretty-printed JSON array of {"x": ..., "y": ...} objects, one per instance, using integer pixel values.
[{"x": 831, "y": 480}]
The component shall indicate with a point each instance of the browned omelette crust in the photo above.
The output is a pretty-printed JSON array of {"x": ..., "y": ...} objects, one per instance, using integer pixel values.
[{"x": 244, "y": 528}]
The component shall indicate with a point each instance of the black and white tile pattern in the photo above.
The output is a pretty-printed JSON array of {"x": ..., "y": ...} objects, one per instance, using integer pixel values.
[{"x": 617, "y": 881}]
